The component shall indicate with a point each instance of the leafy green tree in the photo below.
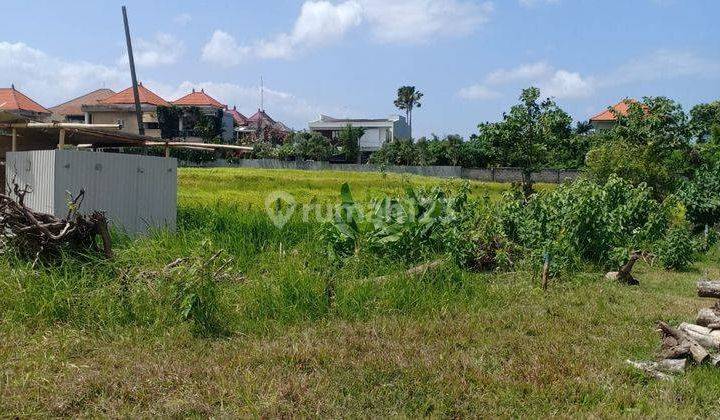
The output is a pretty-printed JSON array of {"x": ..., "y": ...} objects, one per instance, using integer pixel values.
[
  {"x": 703, "y": 117},
  {"x": 527, "y": 134},
  {"x": 350, "y": 142},
  {"x": 398, "y": 152},
  {"x": 408, "y": 98},
  {"x": 650, "y": 144},
  {"x": 311, "y": 146}
]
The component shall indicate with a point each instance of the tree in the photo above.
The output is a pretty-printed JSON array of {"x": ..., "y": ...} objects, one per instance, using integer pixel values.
[
  {"x": 407, "y": 99},
  {"x": 650, "y": 144},
  {"x": 350, "y": 142},
  {"x": 527, "y": 134},
  {"x": 703, "y": 117}
]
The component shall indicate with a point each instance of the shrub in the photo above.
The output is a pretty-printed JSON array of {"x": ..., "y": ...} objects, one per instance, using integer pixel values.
[
  {"x": 312, "y": 146},
  {"x": 677, "y": 249}
]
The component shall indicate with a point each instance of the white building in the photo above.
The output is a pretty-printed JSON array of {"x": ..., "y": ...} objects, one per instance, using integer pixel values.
[{"x": 377, "y": 131}]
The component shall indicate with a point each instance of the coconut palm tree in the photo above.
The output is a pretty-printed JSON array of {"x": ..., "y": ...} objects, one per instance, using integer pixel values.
[{"x": 407, "y": 99}]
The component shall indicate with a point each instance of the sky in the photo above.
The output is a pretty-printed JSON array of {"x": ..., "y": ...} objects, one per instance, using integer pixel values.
[{"x": 347, "y": 58}]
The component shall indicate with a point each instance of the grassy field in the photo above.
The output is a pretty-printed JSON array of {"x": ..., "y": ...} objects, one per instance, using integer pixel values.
[{"x": 86, "y": 337}]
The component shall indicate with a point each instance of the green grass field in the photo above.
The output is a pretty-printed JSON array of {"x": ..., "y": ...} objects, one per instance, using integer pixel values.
[{"x": 87, "y": 337}]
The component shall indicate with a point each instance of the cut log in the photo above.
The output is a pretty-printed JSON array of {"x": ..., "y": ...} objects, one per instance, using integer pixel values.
[
  {"x": 697, "y": 351},
  {"x": 707, "y": 317},
  {"x": 660, "y": 370},
  {"x": 704, "y": 336},
  {"x": 707, "y": 288},
  {"x": 676, "y": 352}
]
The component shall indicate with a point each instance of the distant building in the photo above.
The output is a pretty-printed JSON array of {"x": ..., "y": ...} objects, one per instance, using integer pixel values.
[
  {"x": 607, "y": 119},
  {"x": 71, "y": 111},
  {"x": 120, "y": 108},
  {"x": 377, "y": 131},
  {"x": 209, "y": 106},
  {"x": 261, "y": 127},
  {"x": 16, "y": 102}
]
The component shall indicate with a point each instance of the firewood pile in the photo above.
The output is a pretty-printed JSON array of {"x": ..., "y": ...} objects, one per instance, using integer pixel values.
[
  {"x": 697, "y": 343},
  {"x": 38, "y": 235}
]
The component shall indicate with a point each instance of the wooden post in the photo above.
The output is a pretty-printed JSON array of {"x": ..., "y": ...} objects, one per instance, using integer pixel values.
[
  {"x": 167, "y": 150},
  {"x": 14, "y": 140},
  {"x": 61, "y": 144},
  {"x": 545, "y": 270}
]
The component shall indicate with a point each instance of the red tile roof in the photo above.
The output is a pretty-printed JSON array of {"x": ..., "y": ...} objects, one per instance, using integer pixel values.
[
  {"x": 126, "y": 97},
  {"x": 198, "y": 99},
  {"x": 74, "y": 106},
  {"x": 261, "y": 116},
  {"x": 620, "y": 108},
  {"x": 14, "y": 100},
  {"x": 239, "y": 118}
]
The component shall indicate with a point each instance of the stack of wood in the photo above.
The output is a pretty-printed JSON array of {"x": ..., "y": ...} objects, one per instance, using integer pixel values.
[
  {"x": 37, "y": 234},
  {"x": 698, "y": 343}
]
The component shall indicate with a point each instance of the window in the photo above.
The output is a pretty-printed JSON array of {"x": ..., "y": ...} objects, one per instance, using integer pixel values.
[{"x": 151, "y": 126}]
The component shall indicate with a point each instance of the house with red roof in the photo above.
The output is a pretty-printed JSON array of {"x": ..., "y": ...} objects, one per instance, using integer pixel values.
[
  {"x": 71, "y": 111},
  {"x": 208, "y": 106},
  {"x": 120, "y": 108},
  {"x": 607, "y": 119},
  {"x": 16, "y": 102},
  {"x": 260, "y": 126}
]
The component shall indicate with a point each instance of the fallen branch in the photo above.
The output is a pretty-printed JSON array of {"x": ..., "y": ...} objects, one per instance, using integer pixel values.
[{"x": 38, "y": 234}]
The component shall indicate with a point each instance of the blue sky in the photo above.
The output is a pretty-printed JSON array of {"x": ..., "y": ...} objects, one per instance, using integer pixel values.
[{"x": 347, "y": 58}]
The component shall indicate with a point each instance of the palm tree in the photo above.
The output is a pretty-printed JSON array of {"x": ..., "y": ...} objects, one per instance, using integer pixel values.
[{"x": 407, "y": 99}]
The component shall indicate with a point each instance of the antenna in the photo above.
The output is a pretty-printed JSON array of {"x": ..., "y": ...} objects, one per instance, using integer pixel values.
[{"x": 262, "y": 95}]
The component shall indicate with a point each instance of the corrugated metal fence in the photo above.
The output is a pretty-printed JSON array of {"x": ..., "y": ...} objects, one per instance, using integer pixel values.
[{"x": 137, "y": 193}]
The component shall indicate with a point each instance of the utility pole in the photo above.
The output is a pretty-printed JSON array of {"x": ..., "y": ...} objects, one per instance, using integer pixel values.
[{"x": 136, "y": 94}]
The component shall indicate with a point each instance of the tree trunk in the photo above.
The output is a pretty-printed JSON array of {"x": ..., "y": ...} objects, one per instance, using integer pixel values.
[{"x": 706, "y": 288}]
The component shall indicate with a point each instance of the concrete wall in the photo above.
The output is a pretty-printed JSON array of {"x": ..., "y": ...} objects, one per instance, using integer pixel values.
[
  {"x": 129, "y": 121},
  {"x": 489, "y": 175},
  {"x": 138, "y": 193}
]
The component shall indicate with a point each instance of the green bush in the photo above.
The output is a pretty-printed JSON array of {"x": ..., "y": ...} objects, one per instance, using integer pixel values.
[{"x": 677, "y": 249}]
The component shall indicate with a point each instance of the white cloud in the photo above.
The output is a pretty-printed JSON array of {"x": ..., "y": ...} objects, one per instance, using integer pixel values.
[
  {"x": 52, "y": 80},
  {"x": 477, "y": 92},
  {"x": 414, "y": 21},
  {"x": 222, "y": 49},
  {"x": 663, "y": 65},
  {"x": 321, "y": 22},
  {"x": 567, "y": 85},
  {"x": 558, "y": 83},
  {"x": 530, "y": 71},
  {"x": 163, "y": 49},
  {"x": 182, "y": 19}
]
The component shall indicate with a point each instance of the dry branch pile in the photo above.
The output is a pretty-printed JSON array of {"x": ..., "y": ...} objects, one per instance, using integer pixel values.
[
  {"x": 37, "y": 234},
  {"x": 698, "y": 343}
]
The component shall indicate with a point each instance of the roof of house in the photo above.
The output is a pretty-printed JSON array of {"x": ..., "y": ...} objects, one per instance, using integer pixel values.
[
  {"x": 74, "y": 106},
  {"x": 12, "y": 99},
  {"x": 326, "y": 118},
  {"x": 198, "y": 99},
  {"x": 260, "y": 115},
  {"x": 127, "y": 97},
  {"x": 619, "y": 108},
  {"x": 239, "y": 118}
]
